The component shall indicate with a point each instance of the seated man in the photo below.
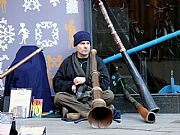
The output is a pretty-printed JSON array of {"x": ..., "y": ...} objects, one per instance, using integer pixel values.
[{"x": 72, "y": 82}]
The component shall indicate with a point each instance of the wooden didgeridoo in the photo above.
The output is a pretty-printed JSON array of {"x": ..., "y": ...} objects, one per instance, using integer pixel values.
[
  {"x": 148, "y": 116},
  {"x": 20, "y": 63},
  {"x": 100, "y": 116}
]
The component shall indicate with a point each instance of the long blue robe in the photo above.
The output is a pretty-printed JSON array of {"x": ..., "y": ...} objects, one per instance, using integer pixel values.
[{"x": 32, "y": 74}]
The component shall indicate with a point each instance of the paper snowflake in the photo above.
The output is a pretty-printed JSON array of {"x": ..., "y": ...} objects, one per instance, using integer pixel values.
[
  {"x": 71, "y": 6},
  {"x": 31, "y": 5},
  {"x": 39, "y": 34},
  {"x": 7, "y": 34}
]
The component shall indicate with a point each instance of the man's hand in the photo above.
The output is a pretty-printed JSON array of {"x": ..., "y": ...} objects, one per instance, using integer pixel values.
[
  {"x": 73, "y": 88},
  {"x": 79, "y": 80}
]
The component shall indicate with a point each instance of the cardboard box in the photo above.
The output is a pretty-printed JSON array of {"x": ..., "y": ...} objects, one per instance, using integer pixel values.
[{"x": 37, "y": 108}]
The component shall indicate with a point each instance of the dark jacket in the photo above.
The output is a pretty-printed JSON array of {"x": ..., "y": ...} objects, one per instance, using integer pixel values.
[{"x": 63, "y": 79}]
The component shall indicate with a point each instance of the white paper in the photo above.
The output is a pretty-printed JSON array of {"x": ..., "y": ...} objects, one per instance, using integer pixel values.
[
  {"x": 20, "y": 102},
  {"x": 32, "y": 130}
]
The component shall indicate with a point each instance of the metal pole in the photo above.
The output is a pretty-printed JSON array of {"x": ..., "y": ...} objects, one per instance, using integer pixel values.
[
  {"x": 88, "y": 16},
  {"x": 143, "y": 46}
]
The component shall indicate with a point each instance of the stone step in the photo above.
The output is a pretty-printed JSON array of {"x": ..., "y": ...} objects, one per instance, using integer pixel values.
[{"x": 168, "y": 103}]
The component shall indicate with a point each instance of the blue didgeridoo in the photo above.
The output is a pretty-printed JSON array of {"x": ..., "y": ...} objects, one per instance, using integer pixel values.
[{"x": 143, "y": 46}]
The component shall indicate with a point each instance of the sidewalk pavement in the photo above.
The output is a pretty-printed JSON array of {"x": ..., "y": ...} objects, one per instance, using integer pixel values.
[{"x": 131, "y": 124}]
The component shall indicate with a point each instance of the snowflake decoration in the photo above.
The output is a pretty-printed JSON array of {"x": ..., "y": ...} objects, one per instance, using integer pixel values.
[
  {"x": 7, "y": 34},
  {"x": 54, "y": 2},
  {"x": 31, "y": 5},
  {"x": 71, "y": 6},
  {"x": 54, "y": 32}
]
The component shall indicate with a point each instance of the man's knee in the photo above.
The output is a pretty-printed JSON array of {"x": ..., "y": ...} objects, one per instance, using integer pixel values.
[
  {"x": 108, "y": 96},
  {"x": 58, "y": 98},
  {"x": 111, "y": 95}
]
